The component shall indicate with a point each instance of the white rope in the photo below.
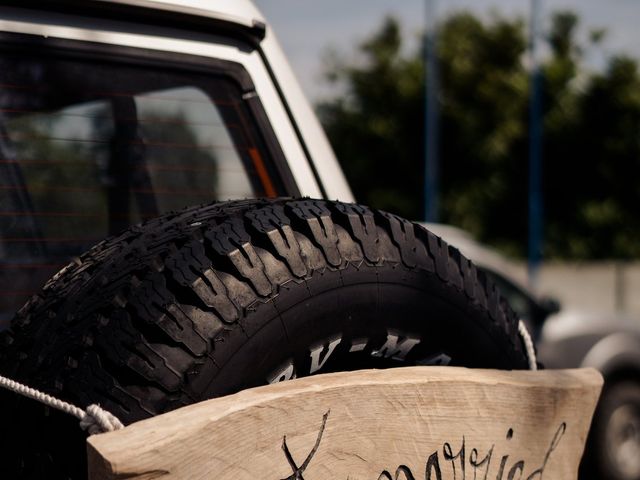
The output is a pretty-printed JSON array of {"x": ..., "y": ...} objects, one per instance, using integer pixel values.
[
  {"x": 528, "y": 345},
  {"x": 94, "y": 419}
]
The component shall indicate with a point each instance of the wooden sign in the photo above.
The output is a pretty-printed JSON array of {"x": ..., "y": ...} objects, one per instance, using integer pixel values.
[{"x": 431, "y": 423}]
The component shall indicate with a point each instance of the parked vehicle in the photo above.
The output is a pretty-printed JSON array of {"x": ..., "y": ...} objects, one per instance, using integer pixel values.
[
  {"x": 118, "y": 112},
  {"x": 609, "y": 342}
]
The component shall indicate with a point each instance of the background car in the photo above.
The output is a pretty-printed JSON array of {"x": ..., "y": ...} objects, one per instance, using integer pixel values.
[{"x": 609, "y": 342}]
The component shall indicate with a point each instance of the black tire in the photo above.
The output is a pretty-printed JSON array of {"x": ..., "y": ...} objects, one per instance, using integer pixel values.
[
  {"x": 613, "y": 449},
  {"x": 218, "y": 298}
]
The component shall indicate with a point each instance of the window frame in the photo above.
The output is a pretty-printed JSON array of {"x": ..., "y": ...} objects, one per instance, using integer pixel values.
[{"x": 81, "y": 50}]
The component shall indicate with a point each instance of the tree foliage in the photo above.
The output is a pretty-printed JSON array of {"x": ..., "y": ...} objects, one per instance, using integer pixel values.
[{"x": 591, "y": 135}]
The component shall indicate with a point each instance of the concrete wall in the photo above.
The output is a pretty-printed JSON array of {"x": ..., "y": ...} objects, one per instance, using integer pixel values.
[{"x": 596, "y": 286}]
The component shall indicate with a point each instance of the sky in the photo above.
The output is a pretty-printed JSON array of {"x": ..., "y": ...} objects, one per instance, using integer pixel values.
[{"x": 307, "y": 29}]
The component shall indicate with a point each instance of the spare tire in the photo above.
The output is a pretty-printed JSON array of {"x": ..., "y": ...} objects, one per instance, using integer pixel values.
[{"x": 222, "y": 297}]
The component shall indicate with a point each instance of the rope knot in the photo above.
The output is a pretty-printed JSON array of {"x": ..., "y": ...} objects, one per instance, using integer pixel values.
[{"x": 97, "y": 420}]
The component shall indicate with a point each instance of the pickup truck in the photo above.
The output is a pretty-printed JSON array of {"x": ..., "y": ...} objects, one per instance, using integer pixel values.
[{"x": 174, "y": 226}]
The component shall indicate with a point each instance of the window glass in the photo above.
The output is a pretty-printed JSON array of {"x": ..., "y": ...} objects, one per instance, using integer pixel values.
[
  {"x": 181, "y": 126},
  {"x": 88, "y": 148}
]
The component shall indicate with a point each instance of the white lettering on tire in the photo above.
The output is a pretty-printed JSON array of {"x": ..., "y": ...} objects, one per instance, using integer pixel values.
[
  {"x": 439, "y": 359},
  {"x": 358, "y": 344},
  {"x": 317, "y": 359},
  {"x": 287, "y": 372},
  {"x": 396, "y": 347}
]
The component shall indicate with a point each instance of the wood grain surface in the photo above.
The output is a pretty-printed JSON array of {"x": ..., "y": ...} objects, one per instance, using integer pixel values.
[{"x": 432, "y": 423}]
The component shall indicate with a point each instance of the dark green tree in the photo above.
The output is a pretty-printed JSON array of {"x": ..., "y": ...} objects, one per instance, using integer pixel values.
[
  {"x": 377, "y": 125},
  {"x": 591, "y": 142}
]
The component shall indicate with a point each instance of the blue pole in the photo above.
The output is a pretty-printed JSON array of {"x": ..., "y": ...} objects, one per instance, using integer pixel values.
[
  {"x": 431, "y": 184},
  {"x": 535, "y": 150}
]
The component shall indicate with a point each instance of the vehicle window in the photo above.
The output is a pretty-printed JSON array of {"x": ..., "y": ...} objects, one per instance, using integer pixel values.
[{"x": 88, "y": 148}]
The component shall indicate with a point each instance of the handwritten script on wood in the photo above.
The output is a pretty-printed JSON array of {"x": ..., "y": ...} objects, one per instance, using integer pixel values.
[
  {"x": 432, "y": 423},
  {"x": 480, "y": 468}
]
